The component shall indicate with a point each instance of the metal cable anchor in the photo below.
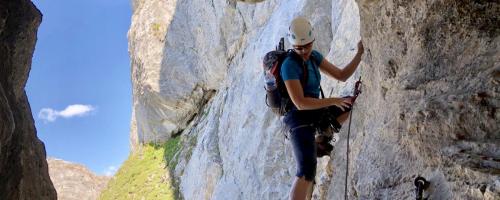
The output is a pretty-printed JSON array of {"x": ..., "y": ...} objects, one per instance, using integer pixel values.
[{"x": 421, "y": 185}]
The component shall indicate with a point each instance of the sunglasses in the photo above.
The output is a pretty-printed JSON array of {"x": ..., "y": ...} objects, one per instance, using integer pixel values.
[{"x": 303, "y": 47}]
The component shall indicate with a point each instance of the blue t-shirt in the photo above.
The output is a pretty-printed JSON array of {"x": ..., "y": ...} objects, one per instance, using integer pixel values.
[{"x": 291, "y": 69}]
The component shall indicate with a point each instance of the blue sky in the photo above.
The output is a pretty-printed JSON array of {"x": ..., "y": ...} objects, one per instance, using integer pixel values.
[{"x": 79, "y": 86}]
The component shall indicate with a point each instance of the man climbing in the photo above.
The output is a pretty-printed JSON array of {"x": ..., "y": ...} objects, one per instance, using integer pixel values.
[{"x": 301, "y": 119}]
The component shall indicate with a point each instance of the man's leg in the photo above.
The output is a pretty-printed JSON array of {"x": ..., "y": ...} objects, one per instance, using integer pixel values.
[
  {"x": 304, "y": 150},
  {"x": 300, "y": 188},
  {"x": 310, "y": 191}
]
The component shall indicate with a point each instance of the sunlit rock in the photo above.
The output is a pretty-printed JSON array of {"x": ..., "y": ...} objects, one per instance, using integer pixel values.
[
  {"x": 74, "y": 181},
  {"x": 428, "y": 107}
]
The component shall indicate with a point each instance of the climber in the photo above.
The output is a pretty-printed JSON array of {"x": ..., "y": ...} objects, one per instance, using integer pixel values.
[{"x": 301, "y": 118}]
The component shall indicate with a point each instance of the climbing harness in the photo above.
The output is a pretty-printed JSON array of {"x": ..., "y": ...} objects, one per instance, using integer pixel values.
[{"x": 357, "y": 91}]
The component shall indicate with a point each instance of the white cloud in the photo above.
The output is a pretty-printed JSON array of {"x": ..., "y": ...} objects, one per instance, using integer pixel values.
[
  {"x": 110, "y": 171},
  {"x": 47, "y": 114},
  {"x": 50, "y": 115},
  {"x": 76, "y": 110}
]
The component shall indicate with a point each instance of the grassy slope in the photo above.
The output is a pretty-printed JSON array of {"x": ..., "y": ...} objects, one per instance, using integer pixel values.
[{"x": 146, "y": 174}]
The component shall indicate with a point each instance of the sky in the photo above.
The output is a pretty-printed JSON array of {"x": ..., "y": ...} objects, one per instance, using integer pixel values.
[{"x": 79, "y": 86}]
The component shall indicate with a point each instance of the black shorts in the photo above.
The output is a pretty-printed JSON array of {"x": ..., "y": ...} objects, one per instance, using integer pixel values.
[
  {"x": 304, "y": 151},
  {"x": 302, "y": 128}
]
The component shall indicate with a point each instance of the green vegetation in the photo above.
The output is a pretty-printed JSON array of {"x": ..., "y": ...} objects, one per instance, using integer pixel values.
[
  {"x": 146, "y": 174},
  {"x": 157, "y": 31},
  {"x": 156, "y": 27}
]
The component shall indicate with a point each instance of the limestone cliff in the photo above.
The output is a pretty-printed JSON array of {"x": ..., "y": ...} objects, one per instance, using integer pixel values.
[
  {"x": 430, "y": 104},
  {"x": 74, "y": 181},
  {"x": 23, "y": 168},
  {"x": 428, "y": 107}
]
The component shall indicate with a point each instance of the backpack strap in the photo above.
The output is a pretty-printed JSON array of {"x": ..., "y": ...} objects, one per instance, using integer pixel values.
[
  {"x": 320, "y": 89},
  {"x": 303, "y": 80},
  {"x": 317, "y": 77}
]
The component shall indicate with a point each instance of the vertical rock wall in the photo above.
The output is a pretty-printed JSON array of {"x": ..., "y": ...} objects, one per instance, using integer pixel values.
[
  {"x": 173, "y": 72},
  {"x": 429, "y": 108},
  {"x": 430, "y": 73},
  {"x": 23, "y": 168}
]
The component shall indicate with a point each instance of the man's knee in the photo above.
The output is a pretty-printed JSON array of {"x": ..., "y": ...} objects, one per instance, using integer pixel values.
[{"x": 306, "y": 179}]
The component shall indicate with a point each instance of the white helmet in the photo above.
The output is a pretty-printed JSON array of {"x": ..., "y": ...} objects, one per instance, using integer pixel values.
[{"x": 300, "y": 32}]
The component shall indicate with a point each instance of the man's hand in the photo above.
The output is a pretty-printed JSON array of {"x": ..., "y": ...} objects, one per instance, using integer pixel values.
[
  {"x": 351, "y": 99},
  {"x": 361, "y": 49},
  {"x": 342, "y": 103}
]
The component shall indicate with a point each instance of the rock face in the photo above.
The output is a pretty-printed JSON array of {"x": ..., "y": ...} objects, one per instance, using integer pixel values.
[
  {"x": 165, "y": 98},
  {"x": 430, "y": 101},
  {"x": 431, "y": 78},
  {"x": 23, "y": 169},
  {"x": 428, "y": 107},
  {"x": 75, "y": 182}
]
